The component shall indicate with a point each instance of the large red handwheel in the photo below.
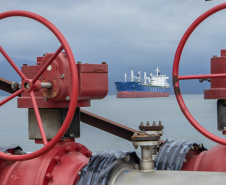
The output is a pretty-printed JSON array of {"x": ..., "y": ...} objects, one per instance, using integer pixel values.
[
  {"x": 30, "y": 85},
  {"x": 177, "y": 78}
]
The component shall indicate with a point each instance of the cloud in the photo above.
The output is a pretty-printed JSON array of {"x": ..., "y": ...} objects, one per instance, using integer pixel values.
[{"x": 124, "y": 33}]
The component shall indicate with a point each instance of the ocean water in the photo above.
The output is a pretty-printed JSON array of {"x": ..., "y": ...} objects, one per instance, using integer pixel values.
[{"x": 129, "y": 112}]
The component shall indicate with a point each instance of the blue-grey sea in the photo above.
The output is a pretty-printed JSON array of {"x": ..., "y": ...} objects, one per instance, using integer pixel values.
[{"x": 130, "y": 112}]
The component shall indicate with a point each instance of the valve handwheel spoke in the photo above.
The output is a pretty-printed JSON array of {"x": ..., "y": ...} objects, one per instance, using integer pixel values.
[
  {"x": 29, "y": 85},
  {"x": 190, "y": 77},
  {"x": 177, "y": 78},
  {"x": 12, "y": 63},
  {"x": 11, "y": 97},
  {"x": 38, "y": 117}
]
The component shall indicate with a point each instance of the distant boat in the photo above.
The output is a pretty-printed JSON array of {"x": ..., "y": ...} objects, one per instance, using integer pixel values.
[{"x": 149, "y": 86}]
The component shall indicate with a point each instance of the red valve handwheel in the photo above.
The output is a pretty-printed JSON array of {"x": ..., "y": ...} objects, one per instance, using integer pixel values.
[
  {"x": 177, "y": 78},
  {"x": 29, "y": 85}
]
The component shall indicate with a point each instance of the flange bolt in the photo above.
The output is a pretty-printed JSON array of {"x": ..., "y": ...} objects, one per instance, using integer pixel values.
[
  {"x": 67, "y": 149},
  {"x": 88, "y": 154},
  {"x": 57, "y": 159},
  {"x": 49, "y": 176},
  {"x": 78, "y": 147}
]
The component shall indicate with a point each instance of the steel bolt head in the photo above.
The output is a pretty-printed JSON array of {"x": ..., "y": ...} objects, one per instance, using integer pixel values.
[
  {"x": 45, "y": 99},
  {"x": 62, "y": 76},
  {"x": 79, "y": 173},
  {"x": 15, "y": 86},
  {"x": 67, "y": 98},
  {"x": 160, "y": 123},
  {"x": 27, "y": 85}
]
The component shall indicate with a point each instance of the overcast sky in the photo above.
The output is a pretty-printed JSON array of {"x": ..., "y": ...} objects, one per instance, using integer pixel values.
[{"x": 125, "y": 33}]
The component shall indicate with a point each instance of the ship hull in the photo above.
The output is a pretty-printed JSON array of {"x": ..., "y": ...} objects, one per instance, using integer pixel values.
[
  {"x": 139, "y": 94},
  {"x": 137, "y": 90}
]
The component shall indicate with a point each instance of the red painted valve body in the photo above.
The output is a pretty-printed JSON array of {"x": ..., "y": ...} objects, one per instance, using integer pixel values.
[
  {"x": 218, "y": 85},
  {"x": 211, "y": 160},
  {"x": 61, "y": 165},
  {"x": 93, "y": 83}
]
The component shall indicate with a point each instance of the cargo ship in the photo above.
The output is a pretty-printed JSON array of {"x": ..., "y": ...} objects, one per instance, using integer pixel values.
[{"x": 149, "y": 86}]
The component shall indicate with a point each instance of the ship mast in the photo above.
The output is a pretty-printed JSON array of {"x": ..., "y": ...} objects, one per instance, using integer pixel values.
[
  {"x": 145, "y": 78},
  {"x": 157, "y": 71},
  {"x": 138, "y": 76},
  {"x": 132, "y": 75}
]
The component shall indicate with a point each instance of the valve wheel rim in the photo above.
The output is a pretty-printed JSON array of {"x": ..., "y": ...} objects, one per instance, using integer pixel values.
[
  {"x": 74, "y": 85},
  {"x": 177, "y": 78}
]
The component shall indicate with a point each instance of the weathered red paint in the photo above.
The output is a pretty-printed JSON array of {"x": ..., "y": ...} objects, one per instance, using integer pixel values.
[
  {"x": 93, "y": 83},
  {"x": 218, "y": 85},
  {"x": 58, "y": 166},
  {"x": 211, "y": 160}
]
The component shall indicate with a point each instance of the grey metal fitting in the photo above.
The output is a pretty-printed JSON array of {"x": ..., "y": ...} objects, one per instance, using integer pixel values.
[
  {"x": 67, "y": 98},
  {"x": 62, "y": 76}
]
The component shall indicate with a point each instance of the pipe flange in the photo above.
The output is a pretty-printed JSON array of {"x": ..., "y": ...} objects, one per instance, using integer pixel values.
[
  {"x": 146, "y": 143},
  {"x": 145, "y": 137}
]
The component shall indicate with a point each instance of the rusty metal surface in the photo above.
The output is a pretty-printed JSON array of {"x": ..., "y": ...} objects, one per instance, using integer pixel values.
[
  {"x": 5, "y": 85},
  {"x": 151, "y": 128},
  {"x": 146, "y": 138},
  {"x": 57, "y": 164},
  {"x": 107, "y": 125}
]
